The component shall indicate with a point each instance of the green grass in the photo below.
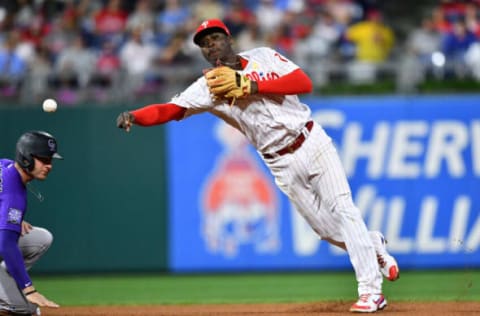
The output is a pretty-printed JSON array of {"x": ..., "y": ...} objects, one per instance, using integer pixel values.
[{"x": 251, "y": 288}]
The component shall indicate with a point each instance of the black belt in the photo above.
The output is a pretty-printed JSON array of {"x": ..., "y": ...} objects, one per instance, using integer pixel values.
[{"x": 297, "y": 143}]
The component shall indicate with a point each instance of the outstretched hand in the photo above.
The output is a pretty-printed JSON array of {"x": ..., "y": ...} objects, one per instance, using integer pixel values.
[
  {"x": 125, "y": 120},
  {"x": 40, "y": 300}
]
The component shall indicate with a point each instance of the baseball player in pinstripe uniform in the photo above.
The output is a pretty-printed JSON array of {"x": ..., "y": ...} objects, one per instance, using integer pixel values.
[{"x": 256, "y": 92}]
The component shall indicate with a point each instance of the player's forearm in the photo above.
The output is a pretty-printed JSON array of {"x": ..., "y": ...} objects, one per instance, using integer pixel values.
[
  {"x": 13, "y": 258},
  {"x": 296, "y": 82},
  {"x": 155, "y": 114}
]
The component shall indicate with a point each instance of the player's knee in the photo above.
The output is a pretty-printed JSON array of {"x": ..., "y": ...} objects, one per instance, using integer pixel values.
[
  {"x": 339, "y": 203},
  {"x": 44, "y": 237},
  {"x": 36, "y": 242}
]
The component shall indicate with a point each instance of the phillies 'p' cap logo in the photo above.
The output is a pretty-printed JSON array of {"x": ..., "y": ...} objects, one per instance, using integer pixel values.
[
  {"x": 52, "y": 145},
  {"x": 208, "y": 24}
]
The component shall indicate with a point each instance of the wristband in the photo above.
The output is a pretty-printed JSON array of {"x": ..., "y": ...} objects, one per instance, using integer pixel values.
[{"x": 31, "y": 292}]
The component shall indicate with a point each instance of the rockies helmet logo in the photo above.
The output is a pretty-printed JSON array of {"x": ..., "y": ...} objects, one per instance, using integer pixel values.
[{"x": 52, "y": 145}]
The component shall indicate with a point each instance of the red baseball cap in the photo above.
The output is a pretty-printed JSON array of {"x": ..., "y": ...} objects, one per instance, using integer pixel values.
[{"x": 209, "y": 25}]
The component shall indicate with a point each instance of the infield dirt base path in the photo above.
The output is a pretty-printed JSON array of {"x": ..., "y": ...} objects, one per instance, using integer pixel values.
[{"x": 281, "y": 309}]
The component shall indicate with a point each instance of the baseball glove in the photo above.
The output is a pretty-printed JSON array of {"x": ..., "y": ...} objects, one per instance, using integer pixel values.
[
  {"x": 125, "y": 120},
  {"x": 224, "y": 82}
]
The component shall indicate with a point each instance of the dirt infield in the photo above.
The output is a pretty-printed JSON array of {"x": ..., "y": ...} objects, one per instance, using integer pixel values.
[{"x": 284, "y": 309}]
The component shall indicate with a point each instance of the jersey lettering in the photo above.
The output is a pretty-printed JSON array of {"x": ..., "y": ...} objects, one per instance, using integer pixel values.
[{"x": 255, "y": 76}]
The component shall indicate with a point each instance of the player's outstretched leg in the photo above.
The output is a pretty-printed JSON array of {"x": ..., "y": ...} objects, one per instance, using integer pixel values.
[{"x": 387, "y": 263}]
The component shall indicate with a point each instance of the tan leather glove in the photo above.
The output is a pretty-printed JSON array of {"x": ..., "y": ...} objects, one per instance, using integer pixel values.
[{"x": 224, "y": 82}]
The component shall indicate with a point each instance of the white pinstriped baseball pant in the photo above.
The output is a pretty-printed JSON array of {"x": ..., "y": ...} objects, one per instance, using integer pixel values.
[{"x": 314, "y": 180}]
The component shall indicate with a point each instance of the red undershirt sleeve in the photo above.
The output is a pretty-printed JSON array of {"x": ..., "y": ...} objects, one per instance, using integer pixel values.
[
  {"x": 296, "y": 82},
  {"x": 155, "y": 114}
]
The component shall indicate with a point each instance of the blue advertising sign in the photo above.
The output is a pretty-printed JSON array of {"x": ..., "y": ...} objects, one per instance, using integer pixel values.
[{"x": 413, "y": 164}]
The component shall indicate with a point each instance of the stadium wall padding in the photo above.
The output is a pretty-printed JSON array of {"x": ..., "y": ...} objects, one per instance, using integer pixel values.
[
  {"x": 184, "y": 197},
  {"x": 413, "y": 163}
]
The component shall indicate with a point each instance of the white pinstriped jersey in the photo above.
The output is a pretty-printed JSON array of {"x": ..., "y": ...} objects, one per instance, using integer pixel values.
[{"x": 269, "y": 121}]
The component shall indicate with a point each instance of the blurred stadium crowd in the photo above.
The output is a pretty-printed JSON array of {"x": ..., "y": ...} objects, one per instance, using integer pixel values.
[{"x": 107, "y": 51}]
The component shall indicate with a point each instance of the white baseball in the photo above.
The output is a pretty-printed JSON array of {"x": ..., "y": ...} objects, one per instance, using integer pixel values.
[{"x": 49, "y": 105}]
